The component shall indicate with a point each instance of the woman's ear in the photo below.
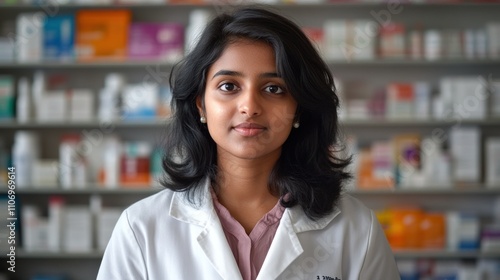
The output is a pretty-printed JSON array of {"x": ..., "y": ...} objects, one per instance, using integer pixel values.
[
  {"x": 297, "y": 114},
  {"x": 200, "y": 105}
]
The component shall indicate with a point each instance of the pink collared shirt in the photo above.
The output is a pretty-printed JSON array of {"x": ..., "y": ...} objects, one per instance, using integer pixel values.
[{"x": 249, "y": 250}]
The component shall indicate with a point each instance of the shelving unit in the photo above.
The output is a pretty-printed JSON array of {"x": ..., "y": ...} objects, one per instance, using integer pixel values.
[
  {"x": 158, "y": 123},
  {"x": 343, "y": 63},
  {"x": 428, "y": 254},
  {"x": 438, "y": 254},
  {"x": 476, "y": 198},
  {"x": 90, "y": 190},
  {"x": 349, "y": 123}
]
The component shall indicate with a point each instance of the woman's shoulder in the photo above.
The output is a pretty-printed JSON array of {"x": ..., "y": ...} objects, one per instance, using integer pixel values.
[
  {"x": 349, "y": 213},
  {"x": 354, "y": 212},
  {"x": 151, "y": 206},
  {"x": 350, "y": 203},
  {"x": 167, "y": 206}
]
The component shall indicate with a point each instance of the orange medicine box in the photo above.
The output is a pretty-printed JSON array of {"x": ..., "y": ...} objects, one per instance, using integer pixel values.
[
  {"x": 433, "y": 231},
  {"x": 102, "y": 34},
  {"x": 404, "y": 229}
]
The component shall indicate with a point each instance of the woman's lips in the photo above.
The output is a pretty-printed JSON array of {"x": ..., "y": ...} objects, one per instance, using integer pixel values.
[{"x": 249, "y": 129}]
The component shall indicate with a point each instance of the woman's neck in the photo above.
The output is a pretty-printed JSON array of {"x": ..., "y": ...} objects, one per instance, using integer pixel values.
[{"x": 243, "y": 188}]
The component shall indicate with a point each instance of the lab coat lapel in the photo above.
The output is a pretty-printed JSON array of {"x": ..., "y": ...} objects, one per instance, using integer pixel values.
[
  {"x": 284, "y": 249},
  {"x": 286, "y": 246},
  {"x": 212, "y": 239},
  {"x": 214, "y": 244}
]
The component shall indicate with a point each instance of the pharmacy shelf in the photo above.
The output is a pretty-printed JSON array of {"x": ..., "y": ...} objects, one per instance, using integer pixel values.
[
  {"x": 9, "y": 124},
  {"x": 346, "y": 4},
  {"x": 154, "y": 123},
  {"x": 58, "y": 255},
  {"x": 444, "y": 254},
  {"x": 139, "y": 190},
  {"x": 419, "y": 62},
  {"x": 83, "y": 65},
  {"x": 414, "y": 122},
  {"x": 475, "y": 199},
  {"x": 150, "y": 63},
  {"x": 470, "y": 190},
  {"x": 431, "y": 254}
]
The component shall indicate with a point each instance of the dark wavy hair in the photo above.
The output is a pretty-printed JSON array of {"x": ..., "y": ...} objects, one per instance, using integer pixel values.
[{"x": 307, "y": 169}]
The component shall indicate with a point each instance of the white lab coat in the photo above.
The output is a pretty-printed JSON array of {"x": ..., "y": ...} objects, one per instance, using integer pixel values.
[{"x": 163, "y": 237}]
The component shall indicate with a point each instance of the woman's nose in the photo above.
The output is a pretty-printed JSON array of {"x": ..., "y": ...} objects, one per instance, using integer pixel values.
[{"x": 250, "y": 102}]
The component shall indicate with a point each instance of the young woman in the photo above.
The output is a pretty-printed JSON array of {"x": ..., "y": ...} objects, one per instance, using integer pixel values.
[{"x": 253, "y": 188}]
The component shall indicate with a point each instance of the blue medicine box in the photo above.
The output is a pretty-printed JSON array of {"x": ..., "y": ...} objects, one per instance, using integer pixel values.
[{"x": 59, "y": 37}]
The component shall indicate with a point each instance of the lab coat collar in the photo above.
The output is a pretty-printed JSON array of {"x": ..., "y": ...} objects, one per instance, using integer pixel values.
[
  {"x": 200, "y": 214},
  {"x": 213, "y": 241},
  {"x": 301, "y": 223}
]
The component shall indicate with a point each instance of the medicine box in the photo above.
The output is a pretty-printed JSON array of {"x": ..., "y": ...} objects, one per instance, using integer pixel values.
[
  {"x": 53, "y": 106},
  {"x": 392, "y": 41},
  {"x": 6, "y": 49},
  {"x": 492, "y": 155},
  {"x": 77, "y": 235},
  {"x": 139, "y": 101},
  {"x": 164, "y": 41},
  {"x": 400, "y": 101},
  {"x": 81, "y": 106},
  {"x": 102, "y": 34},
  {"x": 106, "y": 221},
  {"x": 6, "y": 97},
  {"x": 58, "y": 39},
  {"x": 29, "y": 36}
]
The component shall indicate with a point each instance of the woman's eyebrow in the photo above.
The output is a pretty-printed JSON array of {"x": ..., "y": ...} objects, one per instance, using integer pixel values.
[
  {"x": 227, "y": 73},
  {"x": 269, "y": 75},
  {"x": 239, "y": 74}
]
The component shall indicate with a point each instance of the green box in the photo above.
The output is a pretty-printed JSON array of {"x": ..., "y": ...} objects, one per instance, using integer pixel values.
[
  {"x": 6, "y": 107},
  {"x": 6, "y": 97}
]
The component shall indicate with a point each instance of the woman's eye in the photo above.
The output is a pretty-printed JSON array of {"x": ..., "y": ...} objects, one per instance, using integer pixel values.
[
  {"x": 274, "y": 89},
  {"x": 228, "y": 87}
]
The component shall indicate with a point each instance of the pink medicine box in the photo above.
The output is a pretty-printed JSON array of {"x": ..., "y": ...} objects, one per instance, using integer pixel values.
[{"x": 163, "y": 41}]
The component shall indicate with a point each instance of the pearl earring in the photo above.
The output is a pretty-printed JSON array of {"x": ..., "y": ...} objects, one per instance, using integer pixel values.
[
  {"x": 203, "y": 119},
  {"x": 296, "y": 124}
]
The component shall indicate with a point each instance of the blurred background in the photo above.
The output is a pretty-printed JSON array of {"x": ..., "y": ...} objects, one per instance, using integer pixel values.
[{"x": 84, "y": 100}]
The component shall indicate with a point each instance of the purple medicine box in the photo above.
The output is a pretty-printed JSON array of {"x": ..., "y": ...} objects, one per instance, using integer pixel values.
[{"x": 163, "y": 41}]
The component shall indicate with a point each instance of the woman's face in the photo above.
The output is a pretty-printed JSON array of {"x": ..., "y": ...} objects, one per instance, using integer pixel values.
[{"x": 248, "y": 108}]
